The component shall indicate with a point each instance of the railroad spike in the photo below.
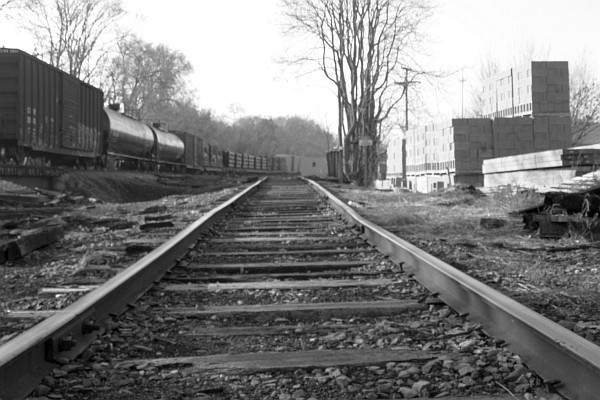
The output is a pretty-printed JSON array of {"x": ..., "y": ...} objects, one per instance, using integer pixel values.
[{"x": 89, "y": 326}]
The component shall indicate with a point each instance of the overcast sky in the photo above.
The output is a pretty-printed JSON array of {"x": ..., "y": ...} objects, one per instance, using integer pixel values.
[{"x": 233, "y": 46}]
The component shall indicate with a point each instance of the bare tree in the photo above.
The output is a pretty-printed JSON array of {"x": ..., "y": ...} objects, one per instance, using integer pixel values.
[
  {"x": 362, "y": 47},
  {"x": 584, "y": 102},
  {"x": 68, "y": 33},
  {"x": 148, "y": 79},
  {"x": 530, "y": 50},
  {"x": 6, "y": 4}
]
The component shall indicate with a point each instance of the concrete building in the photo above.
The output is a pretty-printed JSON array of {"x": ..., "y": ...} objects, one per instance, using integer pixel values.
[{"x": 453, "y": 152}]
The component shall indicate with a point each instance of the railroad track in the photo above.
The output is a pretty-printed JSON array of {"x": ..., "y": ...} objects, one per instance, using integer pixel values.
[{"x": 287, "y": 297}]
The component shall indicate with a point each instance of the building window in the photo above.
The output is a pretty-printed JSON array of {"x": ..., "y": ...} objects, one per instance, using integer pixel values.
[{"x": 314, "y": 164}]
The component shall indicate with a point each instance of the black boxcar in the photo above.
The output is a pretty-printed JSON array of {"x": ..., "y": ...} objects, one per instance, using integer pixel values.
[
  {"x": 45, "y": 113},
  {"x": 194, "y": 151}
]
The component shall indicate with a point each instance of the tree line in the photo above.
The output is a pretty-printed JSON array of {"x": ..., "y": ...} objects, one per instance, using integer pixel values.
[{"x": 149, "y": 81}]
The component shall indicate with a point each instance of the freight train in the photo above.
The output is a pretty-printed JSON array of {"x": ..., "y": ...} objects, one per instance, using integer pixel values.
[{"x": 48, "y": 117}]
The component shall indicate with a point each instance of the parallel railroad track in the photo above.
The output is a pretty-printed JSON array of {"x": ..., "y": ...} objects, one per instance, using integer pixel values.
[{"x": 283, "y": 298}]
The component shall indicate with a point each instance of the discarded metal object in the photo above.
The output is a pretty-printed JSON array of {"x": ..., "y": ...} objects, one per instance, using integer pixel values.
[{"x": 563, "y": 213}]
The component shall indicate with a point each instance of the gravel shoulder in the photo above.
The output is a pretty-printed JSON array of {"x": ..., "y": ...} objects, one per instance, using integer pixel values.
[{"x": 102, "y": 214}]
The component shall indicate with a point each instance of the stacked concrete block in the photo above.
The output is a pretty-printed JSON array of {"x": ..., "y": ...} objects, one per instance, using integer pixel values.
[
  {"x": 550, "y": 88},
  {"x": 543, "y": 179},
  {"x": 552, "y": 132},
  {"x": 461, "y": 144},
  {"x": 557, "y": 84},
  {"x": 534, "y": 88},
  {"x": 473, "y": 141},
  {"x": 541, "y": 139},
  {"x": 460, "y": 149},
  {"x": 504, "y": 137},
  {"x": 545, "y": 159}
]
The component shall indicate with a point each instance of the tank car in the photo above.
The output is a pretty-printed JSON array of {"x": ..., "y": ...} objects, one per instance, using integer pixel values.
[
  {"x": 47, "y": 117},
  {"x": 128, "y": 142},
  {"x": 170, "y": 149}
]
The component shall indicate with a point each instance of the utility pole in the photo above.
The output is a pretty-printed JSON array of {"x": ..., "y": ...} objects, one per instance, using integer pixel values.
[
  {"x": 512, "y": 92},
  {"x": 462, "y": 92},
  {"x": 405, "y": 85}
]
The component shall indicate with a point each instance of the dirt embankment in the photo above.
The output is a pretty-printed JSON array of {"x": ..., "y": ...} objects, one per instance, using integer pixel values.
[{"x": 125, "y": 187}]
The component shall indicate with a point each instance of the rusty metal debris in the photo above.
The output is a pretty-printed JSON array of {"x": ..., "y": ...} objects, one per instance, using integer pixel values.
[{"x": 565, "y": 213}]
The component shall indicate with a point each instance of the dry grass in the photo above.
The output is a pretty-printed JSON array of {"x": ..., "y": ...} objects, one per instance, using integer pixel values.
[
  {"x": 445, "y": 214},
  {"x": 447, "y": 224}
]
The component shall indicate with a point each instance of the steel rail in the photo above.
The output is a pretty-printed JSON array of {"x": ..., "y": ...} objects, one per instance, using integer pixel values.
[
  {"x": 555, "y": 353},
  {"x": 27, "y": 358}
]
